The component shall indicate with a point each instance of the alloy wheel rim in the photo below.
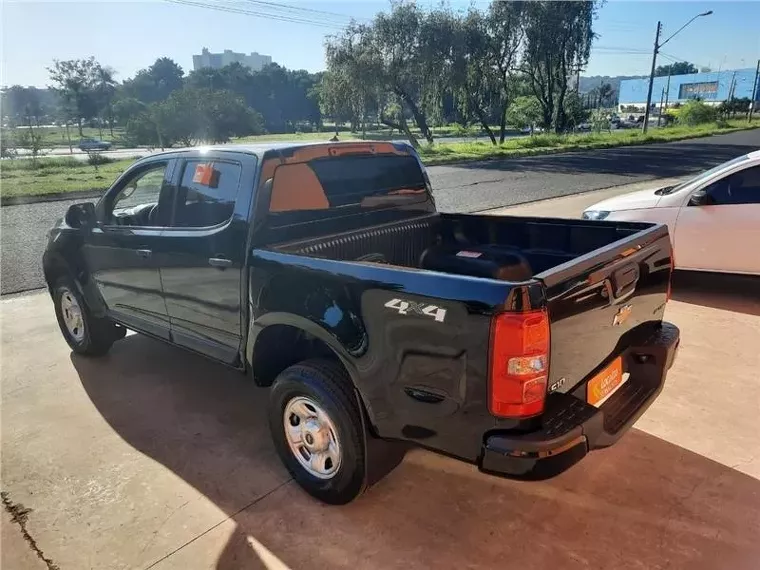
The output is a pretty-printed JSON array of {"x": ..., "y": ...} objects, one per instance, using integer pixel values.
[
  {"x": 72, "y": 315},
  {"x": 312, "y": 437}
]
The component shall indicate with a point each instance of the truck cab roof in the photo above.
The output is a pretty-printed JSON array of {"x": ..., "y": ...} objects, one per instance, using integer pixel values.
[{"x": 290, "y": 148}]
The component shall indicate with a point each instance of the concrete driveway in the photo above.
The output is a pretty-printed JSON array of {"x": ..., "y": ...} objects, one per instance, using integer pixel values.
[{"x": 155, "y": 458}]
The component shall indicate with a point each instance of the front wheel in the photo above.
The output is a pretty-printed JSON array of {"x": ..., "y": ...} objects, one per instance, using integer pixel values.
[
  {"x": 85, "y": 333},
  {"x": 316, "y": 426}
]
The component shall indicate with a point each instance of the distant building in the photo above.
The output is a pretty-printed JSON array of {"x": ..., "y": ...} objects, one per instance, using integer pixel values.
[
  {"x": 712, "y": 87},
  {"x": 255, "y": 61}
]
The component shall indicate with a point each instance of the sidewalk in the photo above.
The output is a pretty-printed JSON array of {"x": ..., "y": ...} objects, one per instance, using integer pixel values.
[{"x": 573, "y": 206}]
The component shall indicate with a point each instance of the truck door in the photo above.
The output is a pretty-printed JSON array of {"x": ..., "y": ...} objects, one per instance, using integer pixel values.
[
  {"x": 202, "y": 253},
  {"x": 119, "y": 250}
]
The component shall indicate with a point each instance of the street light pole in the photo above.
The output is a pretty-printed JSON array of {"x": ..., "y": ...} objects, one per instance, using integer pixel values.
[{"x": 657, "y": 46}]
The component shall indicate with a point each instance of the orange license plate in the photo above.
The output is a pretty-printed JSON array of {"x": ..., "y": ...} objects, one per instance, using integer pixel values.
[{"x": 604, "y": 384}]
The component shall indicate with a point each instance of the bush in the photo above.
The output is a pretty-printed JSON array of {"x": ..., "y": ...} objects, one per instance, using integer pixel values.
[
  {"x": 96, "y": 159},
  {"x": 697, "y": 113},
  {"x": 540, "y": 141},
  {"x": 459, "y": 130},
  {"x": 7, "y": 144}
]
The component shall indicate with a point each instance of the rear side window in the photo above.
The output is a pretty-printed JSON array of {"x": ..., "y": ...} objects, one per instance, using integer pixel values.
[
  {"x": 351, "y": 182},
  {"x": 207, "y": 193}
]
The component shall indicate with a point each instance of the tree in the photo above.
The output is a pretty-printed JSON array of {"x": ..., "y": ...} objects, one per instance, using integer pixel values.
[
  {"x": 191, "y": 116},
  {"x": 558, "y": 43},
  {"x": 524, "y": 112},
  {"x": 607, "y": 95},
  {"x": 388, "y": 55},
  {"x": 679, "y": 68},
  {"x": 32, "y": 140},
  {"x": 127, "y": 108},
  {"x": 76, "y": 81},
  {"x": 155, "y": 83},
  {"x": 574, "y": 111},
  {"x": 344, "y": 100},
  {"x": 105, "y": 91},
  {"x": 23, "y": 105},
  {"x": 473, "y": 77},
  {"x": 506, "y": 29}
]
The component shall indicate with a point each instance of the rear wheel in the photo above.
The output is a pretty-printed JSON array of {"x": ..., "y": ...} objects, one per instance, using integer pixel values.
[
  {"x": 316, "y": 427},
  {"x": 85, "y": 333}
]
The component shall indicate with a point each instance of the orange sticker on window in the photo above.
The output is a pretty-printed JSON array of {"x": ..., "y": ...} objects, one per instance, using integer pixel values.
[{"x": 204, "y": 175}]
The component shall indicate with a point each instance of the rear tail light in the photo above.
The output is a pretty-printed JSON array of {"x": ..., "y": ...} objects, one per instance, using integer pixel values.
[{"x": 519, "y": 365}]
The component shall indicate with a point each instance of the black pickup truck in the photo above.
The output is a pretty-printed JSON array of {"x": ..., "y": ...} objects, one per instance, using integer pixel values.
[{"x": 325, "y": 272}]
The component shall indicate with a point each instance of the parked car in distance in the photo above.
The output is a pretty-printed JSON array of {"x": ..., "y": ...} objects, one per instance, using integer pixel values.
[
  {"x": 88, "y": 143},
  {"x": 325, "y": 272},
  {"x": 714, "y": 217}
]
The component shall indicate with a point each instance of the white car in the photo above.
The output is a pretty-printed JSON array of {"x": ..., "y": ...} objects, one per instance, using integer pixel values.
[{"x": 713, "y": 218}]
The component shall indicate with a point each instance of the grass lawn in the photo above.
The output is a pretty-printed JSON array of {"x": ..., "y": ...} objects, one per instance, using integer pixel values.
[
  {"x": 53, "y": 175},
  {"x": 440, "y": 153},
  {"x": 55, "y": 136},
  {"x": 17, "y": 178},
  {"x": 381, "y": 134}
]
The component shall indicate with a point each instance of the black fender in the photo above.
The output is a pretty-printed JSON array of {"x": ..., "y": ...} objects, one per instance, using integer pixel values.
[
  {"x": 55, "y": 263},
  {"x": 381, "y": 456},
  {"x": 257, "y": 326}
]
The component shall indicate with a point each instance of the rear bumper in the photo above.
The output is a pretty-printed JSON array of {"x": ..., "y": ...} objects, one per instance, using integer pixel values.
[{"x": 571, "y": 427}]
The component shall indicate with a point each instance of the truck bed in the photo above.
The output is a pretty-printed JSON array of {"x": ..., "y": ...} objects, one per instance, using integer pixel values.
[
  {"x": 589, "y": 271},
  {"x": 546, "y": 243}
]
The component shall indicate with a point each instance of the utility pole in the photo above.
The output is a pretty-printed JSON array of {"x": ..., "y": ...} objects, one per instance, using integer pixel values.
[
  {"x": 657, "y": 46},
  {"x": 662, "y": 98},
  {"x": 753, "y": 102},
  {"x": 651, "y": 75},
  {"x": 667, "y": 90}
]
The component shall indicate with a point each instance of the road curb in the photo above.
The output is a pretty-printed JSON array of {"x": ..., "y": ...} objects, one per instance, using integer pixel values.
[{"x": 54, "y": 197}]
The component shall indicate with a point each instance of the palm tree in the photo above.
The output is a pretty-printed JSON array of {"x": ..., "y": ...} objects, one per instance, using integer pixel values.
[
  {"x": 105, "y": 89},
  {"x": 606, "y": 94}
]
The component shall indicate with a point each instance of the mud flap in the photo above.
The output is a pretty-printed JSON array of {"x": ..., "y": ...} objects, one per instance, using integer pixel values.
[{"x": 381, "y": 456}]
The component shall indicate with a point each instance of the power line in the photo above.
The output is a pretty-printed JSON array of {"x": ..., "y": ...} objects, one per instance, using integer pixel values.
[
  {"x": 299, "y": 9},
  {"x": 265, "y": 15}
]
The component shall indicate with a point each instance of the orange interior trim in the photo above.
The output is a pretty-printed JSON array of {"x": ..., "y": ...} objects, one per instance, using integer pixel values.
[{"x": 296, "y": 187}]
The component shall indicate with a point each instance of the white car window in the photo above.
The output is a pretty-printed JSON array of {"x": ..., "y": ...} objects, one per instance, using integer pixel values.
[
  {"x": 704, "y": 175},
  {"x": 741, "y": 187}
]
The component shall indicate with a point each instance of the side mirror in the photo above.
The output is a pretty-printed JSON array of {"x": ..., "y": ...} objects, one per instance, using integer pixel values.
[
  {"x": 701, "y": 198},
  {"x": 81, "y": 215}
]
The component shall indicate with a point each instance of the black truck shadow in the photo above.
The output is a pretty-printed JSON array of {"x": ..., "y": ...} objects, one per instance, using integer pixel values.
[
  {"x": 644, "y": 503},
  {"x": 736, "y": 293}
]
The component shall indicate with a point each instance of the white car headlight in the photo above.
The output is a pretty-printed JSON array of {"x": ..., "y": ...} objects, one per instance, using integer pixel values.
[{"x": 595, "y": 214}]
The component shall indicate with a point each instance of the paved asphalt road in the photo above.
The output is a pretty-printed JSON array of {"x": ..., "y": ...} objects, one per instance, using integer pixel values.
[{"x": 464, "y": 187}]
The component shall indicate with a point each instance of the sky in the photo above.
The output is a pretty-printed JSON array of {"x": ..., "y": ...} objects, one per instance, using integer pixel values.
[{"x": 128, "y": 36}]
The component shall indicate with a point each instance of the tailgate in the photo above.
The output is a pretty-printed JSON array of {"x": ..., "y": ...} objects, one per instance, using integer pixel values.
[{"x": 603, "y": 301}]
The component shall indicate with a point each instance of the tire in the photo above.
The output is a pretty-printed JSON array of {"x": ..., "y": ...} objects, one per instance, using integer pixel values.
[
  {"x": 88, "y": 335},
  {"x": 324, "y": 388}
]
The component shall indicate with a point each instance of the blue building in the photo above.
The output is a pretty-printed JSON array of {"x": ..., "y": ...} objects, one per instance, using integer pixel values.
[{"x": 711, "y": 87}]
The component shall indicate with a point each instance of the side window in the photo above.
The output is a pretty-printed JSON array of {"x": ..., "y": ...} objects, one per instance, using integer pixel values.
[
  {"x": 137, "y": 203},
  {"x": 207, "y": 194},
  {"x": 741, "y": 187}
]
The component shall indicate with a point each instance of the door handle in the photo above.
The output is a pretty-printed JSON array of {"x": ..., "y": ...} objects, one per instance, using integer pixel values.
[
  {"x": 145, "y": 253},
  {"x": 220, "y": 262}
]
